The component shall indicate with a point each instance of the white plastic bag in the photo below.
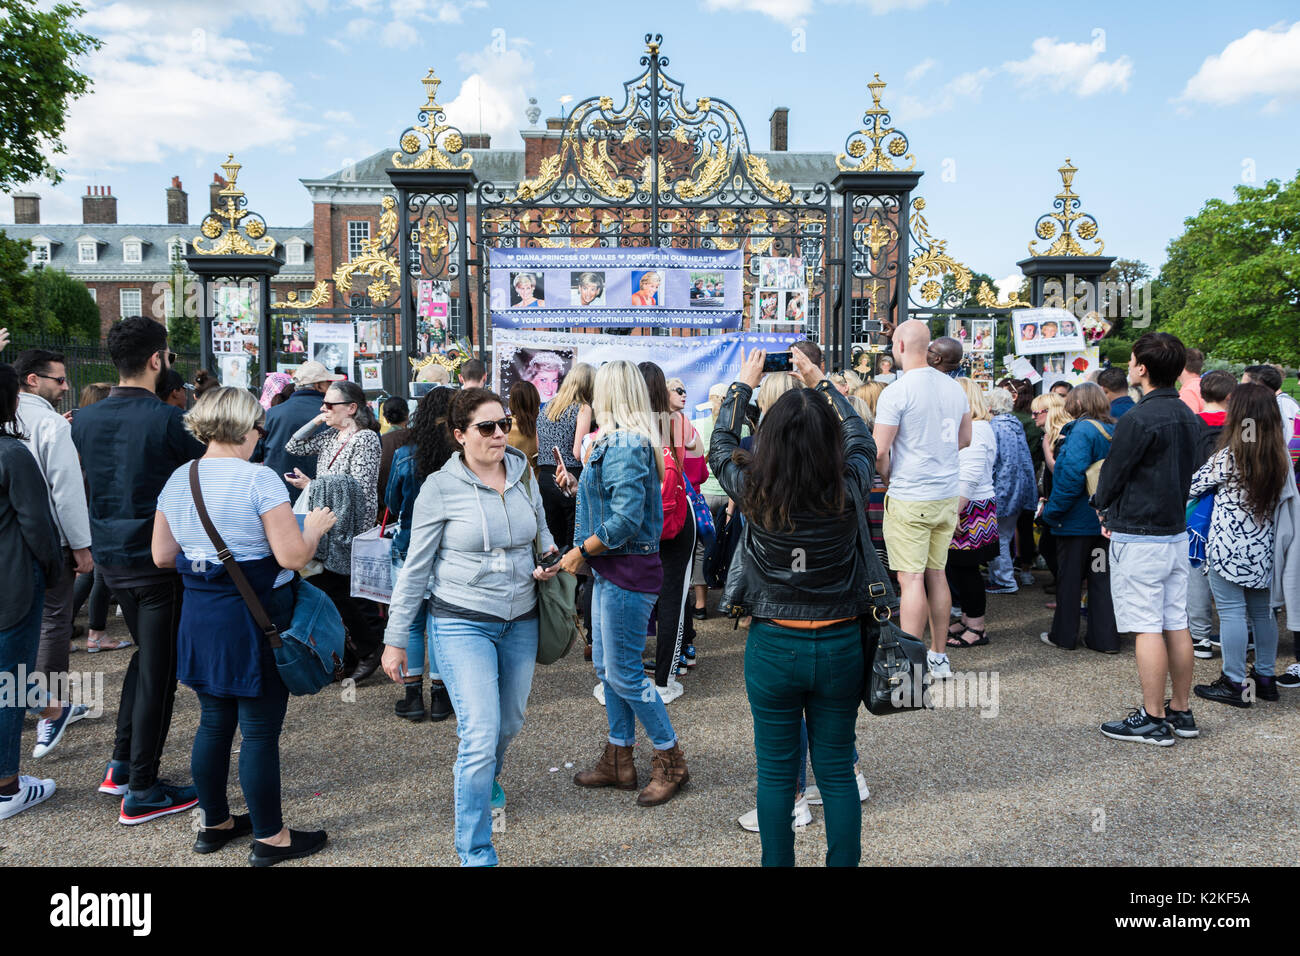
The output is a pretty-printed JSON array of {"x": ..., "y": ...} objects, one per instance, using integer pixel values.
[{"x": 372, "y": 566}]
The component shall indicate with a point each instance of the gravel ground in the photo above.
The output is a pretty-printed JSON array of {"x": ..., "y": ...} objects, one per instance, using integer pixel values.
[{"x": 1034, "y": 782}]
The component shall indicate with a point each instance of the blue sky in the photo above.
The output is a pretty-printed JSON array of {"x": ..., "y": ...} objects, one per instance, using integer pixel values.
[{"x": 1159, "y": 105}]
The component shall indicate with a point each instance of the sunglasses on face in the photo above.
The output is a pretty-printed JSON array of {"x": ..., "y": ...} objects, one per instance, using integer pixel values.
[
  {"x": 488, "y": 429},
  {"x": 680, "y": 391},
  {"x": 334, "y": 404},
  {"x": 61, "y": 379},
  {"x": 171, "y": 356}
]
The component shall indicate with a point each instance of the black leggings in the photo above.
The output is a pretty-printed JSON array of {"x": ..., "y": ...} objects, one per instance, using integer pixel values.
[
  {"x": 561, "y": 511},
  {"x": 967, "y": 584},
  {"x": 1027, "y": 551},
  {"x": 91, "y": 587},
  {"x": 674, "y": 626}
]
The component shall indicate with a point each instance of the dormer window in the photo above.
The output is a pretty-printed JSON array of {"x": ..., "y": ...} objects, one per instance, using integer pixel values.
[
  {"x": 40, "y": 253},
  {"x": 175, "y": 251},
  {"x": 294, "y": 252},
  {"x": 87, "y": 251},
  {"x": 132, "y": 252}
]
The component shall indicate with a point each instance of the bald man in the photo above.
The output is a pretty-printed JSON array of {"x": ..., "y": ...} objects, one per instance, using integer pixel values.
[
  {"x": 922, "y": 421},
  {"x": 945, "y": 354}
]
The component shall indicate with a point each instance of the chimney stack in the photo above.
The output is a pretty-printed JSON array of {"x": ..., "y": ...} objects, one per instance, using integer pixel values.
[
  {"x": 780, "y": 129},
  {"x": 478, "y": 140},
  {"x": 99, "y": 205},
  {"x": 214, "y": 191},
  {"x": 178, "y": 203},
  {"x": 27, "y": 209}
]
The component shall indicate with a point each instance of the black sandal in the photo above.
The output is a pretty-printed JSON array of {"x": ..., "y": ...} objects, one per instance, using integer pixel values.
[{"x": 954, "y": 640}]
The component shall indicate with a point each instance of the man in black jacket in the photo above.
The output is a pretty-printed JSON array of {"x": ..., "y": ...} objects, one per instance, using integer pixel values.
[
  {"x": 1141, "y": 500},
  {"x": 130, "y": 443}
]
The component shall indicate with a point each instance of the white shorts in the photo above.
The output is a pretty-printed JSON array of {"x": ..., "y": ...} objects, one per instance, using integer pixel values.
[{"x": 1148, "y": 585}]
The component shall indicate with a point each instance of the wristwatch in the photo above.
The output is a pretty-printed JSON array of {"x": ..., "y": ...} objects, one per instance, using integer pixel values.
[{"x": 582, "y": 550}]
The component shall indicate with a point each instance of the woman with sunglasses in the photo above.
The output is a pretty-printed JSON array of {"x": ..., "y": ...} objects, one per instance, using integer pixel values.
[
  {"x": 349, "y": 446},
  {"x": 471, "y": 546},
  {"x": 220, "y": 651}
]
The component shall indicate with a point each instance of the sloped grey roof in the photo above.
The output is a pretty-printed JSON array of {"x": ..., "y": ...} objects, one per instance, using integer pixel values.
[
  {"x": 489, "y": 164},
  {"x": 153, "y": 252}
]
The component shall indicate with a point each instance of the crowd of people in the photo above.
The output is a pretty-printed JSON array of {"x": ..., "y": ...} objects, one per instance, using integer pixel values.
[{"x": 1157, "y": 499}]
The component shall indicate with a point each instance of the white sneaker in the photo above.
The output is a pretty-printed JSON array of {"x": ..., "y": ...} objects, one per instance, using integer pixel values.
[
  {"x": 814, "y": 794},
  {"x": 940, "y": 669},
  {"x": 31, "y": 791},
  {"x": 1024, "y": 579},
  {"x": 599, "y": 693},
  {"x": 671, "y": 692},
  {"x": 802, "y": 816}
]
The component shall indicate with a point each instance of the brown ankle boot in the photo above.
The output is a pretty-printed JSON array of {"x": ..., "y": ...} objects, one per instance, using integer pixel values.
[
  {"x": 614, "y": 769},
  {"x": 668, "y": 775}
]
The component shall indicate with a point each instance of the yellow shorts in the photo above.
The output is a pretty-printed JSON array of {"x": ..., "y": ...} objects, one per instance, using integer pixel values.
[{"x": 918, "y": 533}]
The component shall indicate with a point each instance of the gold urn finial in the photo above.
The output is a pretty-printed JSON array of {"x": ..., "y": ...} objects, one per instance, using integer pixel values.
[
  {"x": 228, "y": 228},
  {"x": 431, "y": 144},
  {"x": 1065, "y": 227},
  {"x": 652, "y": 47},
  {"x": 863, "y": 152}
]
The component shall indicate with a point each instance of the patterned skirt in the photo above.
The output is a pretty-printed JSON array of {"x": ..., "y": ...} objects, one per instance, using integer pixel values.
[{"x": 976, "y": 537}]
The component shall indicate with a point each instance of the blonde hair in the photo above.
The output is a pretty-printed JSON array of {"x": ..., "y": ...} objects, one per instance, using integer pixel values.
[
  {"x": 576, "y": 389},
  {"x": 979, "y": 407},
  {"x": 848, "y": 378},
  {"x": 774, "y": 386},
  {"x": 1057, "y": 418},
  {"x": 224, "y": 415},
  {"x": 434, "y": 373},
  {"x": 864, "y": 411},
  {"x": 870, "y": 393},
  {"x": 675, "y": 383},
  {"x": 620, "y": 402}
]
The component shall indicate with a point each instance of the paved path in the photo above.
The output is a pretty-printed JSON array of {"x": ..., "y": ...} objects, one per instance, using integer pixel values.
[{"x": 1034, "y": 782}]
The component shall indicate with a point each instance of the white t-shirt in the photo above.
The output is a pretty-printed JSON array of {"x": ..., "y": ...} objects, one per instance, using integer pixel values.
[
  {"x": 1290, "y": 411},
  {"x": 927, "y": 406},
  {"x": 237, "y": 494}
]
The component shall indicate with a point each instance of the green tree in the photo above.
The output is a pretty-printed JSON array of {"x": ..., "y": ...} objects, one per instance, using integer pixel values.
[
  {"x": 182, "y": 329},
  {"x": 1128, "y": 275},
  {"x": 38, "y": 81},
  {"x": 1231, "y": 285},
  {"x": 953, "y": 298},
  {"x": 63, "y": 306},
  {"x": 15, "y": 285}
]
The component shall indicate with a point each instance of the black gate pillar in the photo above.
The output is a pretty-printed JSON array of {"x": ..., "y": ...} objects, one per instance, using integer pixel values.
[
  {"x": 873, "y": 225},
  {"x": 234, "y": 246},
  {"x": 433, "y": 221}
]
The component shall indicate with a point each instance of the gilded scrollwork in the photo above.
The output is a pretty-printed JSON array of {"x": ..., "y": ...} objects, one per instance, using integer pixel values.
[
  {"x": 862, "y": 150},
  {"x": 230, "y": 226},
  {"x": 1066, "y": 223},
  {"x": 433, "y": 143}
]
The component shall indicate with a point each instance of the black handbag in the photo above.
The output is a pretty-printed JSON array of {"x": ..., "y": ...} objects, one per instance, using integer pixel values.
[{"x": 896, "y": 674}]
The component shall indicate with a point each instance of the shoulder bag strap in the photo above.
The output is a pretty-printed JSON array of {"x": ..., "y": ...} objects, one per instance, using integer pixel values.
[
  {"x": 232, "y": 566},
  {"x": 1097, "y": 425},
  {"x": 878, "y": 591}
]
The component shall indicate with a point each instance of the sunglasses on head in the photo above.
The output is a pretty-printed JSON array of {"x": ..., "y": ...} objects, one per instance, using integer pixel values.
[{"x": 488, "y": 429}]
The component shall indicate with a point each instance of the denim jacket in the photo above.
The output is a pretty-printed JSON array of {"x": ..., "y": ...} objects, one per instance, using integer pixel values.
[{"x": 619, "y": 497}]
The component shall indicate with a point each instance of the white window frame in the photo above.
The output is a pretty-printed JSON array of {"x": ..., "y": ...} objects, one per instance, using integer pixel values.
[
  {"x": 175, "y": 252},
  {"x": 121, "y": 302},
  {"x": 167, "y": 301},
  {"x": 356, "y": 228},
  {"x": 295, "y": 252},
  {"x": 87, "y": 251},
  {"x": 133, "y": 252},
  {"x": 40, "y": 254},
  {"x": 94, "y": 294}
]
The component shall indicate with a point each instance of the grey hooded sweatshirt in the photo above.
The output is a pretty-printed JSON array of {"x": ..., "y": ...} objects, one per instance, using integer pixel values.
[{"x": 471, "y": 546}]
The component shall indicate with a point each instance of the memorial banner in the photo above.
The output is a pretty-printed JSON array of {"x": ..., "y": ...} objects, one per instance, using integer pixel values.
[
  {"x": 648, "y": 287},
  {"x": 1047, "y": 330},
  {"x": 545, "y": 357}
]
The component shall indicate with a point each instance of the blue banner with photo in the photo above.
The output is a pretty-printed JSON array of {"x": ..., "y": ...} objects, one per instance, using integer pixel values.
[{"x": 647, "y": 287}]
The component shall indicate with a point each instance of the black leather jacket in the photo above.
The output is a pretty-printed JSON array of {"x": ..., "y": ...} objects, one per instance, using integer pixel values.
[
  {"x": 1153, "y": 454},
  {"x": 820, "y": 571}
]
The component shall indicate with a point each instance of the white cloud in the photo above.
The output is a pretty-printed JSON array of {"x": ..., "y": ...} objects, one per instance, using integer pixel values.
[
  {"x": 1261, "y": 63},
  {"x": 918, "y": 71},
  {"x": 176, "y": 16},
  {"x": 1071, "y": 66},
  {"x": 965, "y": 86},
  {"x": 1009, "y": 284},
  {"x": 400, "y": 34},
  {"x": 788, "y": 12},
  {"x": 492, "y": 98}
]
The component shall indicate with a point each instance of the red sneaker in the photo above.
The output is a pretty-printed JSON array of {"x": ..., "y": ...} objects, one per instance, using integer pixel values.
[{"x": 115, "y": 778}]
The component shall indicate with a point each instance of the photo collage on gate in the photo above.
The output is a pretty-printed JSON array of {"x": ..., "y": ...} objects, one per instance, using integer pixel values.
[
  {"x": 781, "y": 296},
  {"x": 976, "y": 338}
]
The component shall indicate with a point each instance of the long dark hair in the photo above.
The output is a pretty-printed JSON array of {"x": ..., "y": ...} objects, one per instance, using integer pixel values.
[
  {"x": 661, "y": 410},
  {"x": 525, "y": 403},
  {"x": 9, "y": 402},
  {"x": 429, "y": 435},
  {"x": 352, "y": 392},
  {"x": 1253, "y": 433},
  {"x": 798, "y": 465}
]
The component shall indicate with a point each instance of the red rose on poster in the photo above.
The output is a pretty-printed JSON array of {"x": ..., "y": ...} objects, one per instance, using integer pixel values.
[{"x": 1080, "y": 364}]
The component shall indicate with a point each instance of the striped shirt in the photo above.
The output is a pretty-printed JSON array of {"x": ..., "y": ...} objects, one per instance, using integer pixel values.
[{"x": 237, "y": 494}]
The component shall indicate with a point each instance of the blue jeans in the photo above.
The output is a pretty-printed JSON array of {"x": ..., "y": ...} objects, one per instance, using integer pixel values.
[
  {"x": 1235, "y": 603},
  {"x": 488, "y": 669},
  {"x": 417, "y": 640},
  {"x": 260, "y": 720},
  {"x": 1001, "y": 570},
  {"x": 18, "y": 649},
  {"x": 619, "y": 620}
]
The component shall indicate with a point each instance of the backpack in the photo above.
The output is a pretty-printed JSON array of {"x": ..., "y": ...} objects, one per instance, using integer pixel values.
[
  {"x": 1092, "y": 476},
  {"x": 673, "y": 492}
]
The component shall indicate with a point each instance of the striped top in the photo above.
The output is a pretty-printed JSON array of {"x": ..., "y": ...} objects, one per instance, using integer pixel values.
[{"x": 237, "y": 494}]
